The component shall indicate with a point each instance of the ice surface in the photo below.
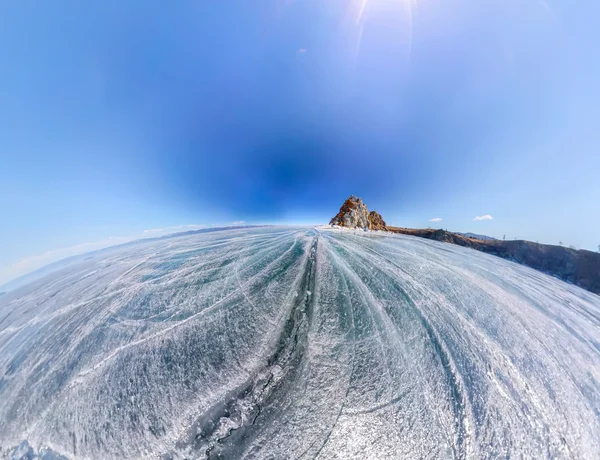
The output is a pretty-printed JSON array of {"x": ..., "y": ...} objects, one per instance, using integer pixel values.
[{"x": 299, "y": 343}]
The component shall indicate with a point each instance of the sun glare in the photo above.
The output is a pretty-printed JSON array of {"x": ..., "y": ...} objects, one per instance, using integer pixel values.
[{"x": 367, "y": 13}]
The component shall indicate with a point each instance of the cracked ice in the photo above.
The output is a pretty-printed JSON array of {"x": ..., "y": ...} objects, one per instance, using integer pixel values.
[{"x": 299, "y": 343}]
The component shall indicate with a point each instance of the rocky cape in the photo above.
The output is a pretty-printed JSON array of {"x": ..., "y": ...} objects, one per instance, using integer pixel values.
[
  {"x": 579, "y": 267},
  {"x": 355, "y": 214}
]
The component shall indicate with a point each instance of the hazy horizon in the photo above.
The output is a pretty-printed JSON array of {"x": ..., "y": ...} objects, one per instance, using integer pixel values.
[{"x": 30, "y": 265}]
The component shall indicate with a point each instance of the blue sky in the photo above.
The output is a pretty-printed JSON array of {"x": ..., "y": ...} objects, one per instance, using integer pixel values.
[{"x": 116, "y": 119}]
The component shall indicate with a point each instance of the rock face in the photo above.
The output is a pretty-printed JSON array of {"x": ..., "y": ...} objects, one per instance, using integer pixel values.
[
  {"x": 376, "y": 221},
  {"x": 354, "y": 214}
]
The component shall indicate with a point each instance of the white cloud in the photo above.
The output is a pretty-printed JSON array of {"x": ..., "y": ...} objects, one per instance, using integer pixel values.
[
  {"x": 436, "y": 219},
  {"x": 486, "y": 217},
  {"x": 238, "y": 222},
  {"x": 188, "y": 227}
]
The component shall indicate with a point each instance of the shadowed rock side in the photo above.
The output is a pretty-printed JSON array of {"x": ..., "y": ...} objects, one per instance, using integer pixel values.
[
  {"x": 579, "y": 267},
  {"x": 354, "y": 214},
  {"x": 279, "y": 343},
  {"x": 376, "y": 222}
]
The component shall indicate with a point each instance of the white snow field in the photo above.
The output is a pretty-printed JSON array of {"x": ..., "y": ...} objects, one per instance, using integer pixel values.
[{"x": 299, "y": 343}]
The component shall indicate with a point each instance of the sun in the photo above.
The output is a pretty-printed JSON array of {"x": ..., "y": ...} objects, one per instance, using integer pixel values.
[
  {"x": 367, "y": 13},
  {"x": 361, "y": 6}
]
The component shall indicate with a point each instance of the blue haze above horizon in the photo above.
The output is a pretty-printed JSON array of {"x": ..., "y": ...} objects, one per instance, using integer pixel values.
[{"x": 115, "y": 119}]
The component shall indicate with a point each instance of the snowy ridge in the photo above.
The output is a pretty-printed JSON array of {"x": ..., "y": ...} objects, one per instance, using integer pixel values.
[{"x": 300, "y": 343}]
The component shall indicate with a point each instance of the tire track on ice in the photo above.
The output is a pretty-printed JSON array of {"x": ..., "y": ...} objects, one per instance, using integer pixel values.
[
  {"x": 350, "y": 378},
  {"x": 459, "y": 399},
  {"x": 220, "y": 432},
  {"x": 168, "y": 329}
]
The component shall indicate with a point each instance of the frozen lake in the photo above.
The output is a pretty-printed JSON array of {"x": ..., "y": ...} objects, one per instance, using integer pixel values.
[{"x": 299, "y": 343}]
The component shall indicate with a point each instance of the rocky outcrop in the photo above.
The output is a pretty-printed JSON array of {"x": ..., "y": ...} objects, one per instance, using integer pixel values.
[
  {"x": 354, "y": 214},
  {"x": 577, "y": 267},
  {"x": 376, "y": 222}
]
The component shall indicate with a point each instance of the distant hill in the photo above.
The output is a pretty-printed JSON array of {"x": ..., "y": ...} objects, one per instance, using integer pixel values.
[
  {"x": 579, "y": 267},
  {"x": 476, "y": 236}
]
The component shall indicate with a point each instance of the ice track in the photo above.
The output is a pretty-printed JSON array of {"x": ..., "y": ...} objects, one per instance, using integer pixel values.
[{"x": 296, "y": 343}]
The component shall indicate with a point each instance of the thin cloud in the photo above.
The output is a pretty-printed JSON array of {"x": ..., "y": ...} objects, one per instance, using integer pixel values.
[
  {"x": 168, "y": 230},
  {"x": 486, "y": 217},
  {"x": 29, "y": 264},
  {"x": 300, "y": 54},
  {"x": 188, "y": 227},
  {"x": 238, "y": 222},
  {"x": 436, "y": 219},
  {"x": 32, "y": 263}
]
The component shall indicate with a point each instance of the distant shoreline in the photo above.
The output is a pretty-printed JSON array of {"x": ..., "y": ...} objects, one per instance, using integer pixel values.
[{"x": 579, "y": 267}]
